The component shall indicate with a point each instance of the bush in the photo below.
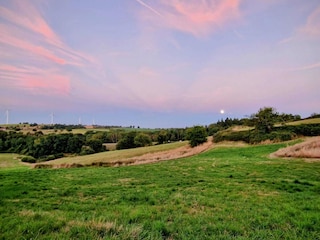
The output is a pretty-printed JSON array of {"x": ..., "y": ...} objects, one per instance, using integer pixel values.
[
  {"x": 29, "y": 159},
  {"x": 127, "y": 141},
  {"x": 302, "y": 130},
  {"x": 275, "y": 136},
  {"x": 96, "y": 145},
  {"x": 253, "y": 136},
  {"x": 142, "y": 140},
  {"x": 232, "y": 136},
  {"x": 86, "y": 150},
  {"x": 196, "y": 135}
]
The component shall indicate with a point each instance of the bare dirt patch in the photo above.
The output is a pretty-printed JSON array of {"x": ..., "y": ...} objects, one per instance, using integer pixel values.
[{"x": 309, "y": 150}]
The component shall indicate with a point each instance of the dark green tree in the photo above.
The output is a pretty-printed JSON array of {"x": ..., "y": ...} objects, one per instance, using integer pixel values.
[
  {"x": 96, "y": 145},
  {"x": 196, "y": 135},
  {"x": 163, "y": 137},
  {"x": 127, "y": 141},
  {"x": 265, "y": 119},
  {"x": 142, "y": 140}
]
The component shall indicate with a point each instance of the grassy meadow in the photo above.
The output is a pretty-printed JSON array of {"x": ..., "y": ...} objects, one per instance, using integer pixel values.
[
  {"x": 224, "y": 193},
  {"x": 305, "y": 121}
]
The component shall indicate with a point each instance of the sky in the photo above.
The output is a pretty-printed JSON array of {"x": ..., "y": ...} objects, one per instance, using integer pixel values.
[{"x": 157, "y": 63}]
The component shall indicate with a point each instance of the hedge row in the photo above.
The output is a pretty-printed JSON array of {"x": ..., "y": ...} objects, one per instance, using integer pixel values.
[{"x": 283, "y": 133}]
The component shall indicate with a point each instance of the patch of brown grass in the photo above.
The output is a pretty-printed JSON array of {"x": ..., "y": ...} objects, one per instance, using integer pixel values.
[
  {"x": 308, "y": 149},
  {"x": 180, "y": 152}
]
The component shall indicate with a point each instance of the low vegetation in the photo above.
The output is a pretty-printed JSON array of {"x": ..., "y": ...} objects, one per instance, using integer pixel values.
[
  {"x": 307, "y": 149},
  {"x": 224, "y": 193}
]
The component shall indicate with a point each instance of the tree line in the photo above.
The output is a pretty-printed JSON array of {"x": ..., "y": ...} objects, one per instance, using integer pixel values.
[
  {"x": 37, "y": 146},
  {"x": 40, "y": 147}
]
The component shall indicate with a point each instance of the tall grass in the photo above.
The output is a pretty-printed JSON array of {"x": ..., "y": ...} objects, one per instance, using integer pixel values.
[{"x": 225, "y": 193}]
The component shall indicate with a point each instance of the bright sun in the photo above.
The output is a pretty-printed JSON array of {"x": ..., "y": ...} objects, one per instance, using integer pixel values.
[{"x": 222, "y": 111}]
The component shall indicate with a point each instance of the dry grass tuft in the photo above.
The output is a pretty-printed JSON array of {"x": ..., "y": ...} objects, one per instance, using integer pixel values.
[
  {"x": 27, "y": 213},
  {"x": 308, "y": 149},
  {"x": 181, "y": 152}
]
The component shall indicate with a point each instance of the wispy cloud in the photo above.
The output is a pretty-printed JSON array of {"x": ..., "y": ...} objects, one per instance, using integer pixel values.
[
  {"x": 312, "y": 26},
  {"x": 195, "y": 17},
  {"x": 306, "y": 67},
  {"x": 149, "y": 7},
  {"x": 35, "y": 54},
  {"x": 29, "y": 18},
  {"x": 36, "y": 80}
]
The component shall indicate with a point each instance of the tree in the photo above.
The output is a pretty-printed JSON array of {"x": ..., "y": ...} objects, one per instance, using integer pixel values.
[
  {"x": 96, "y": 145},
  {"x": 196, "y": 135},
  {"x": 142, "y": 140},
  {"x": 127, "y": 141},
  {"x": 265, "y": 119},
  {"x": 162, "y": 137}
]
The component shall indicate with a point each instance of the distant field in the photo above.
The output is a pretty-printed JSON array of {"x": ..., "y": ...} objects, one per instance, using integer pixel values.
[
  {"x": 26, "y": 128},
  {"x": 83, "y": 131},
  {"x": 224, "y": 193},
  {"x": 10, "y": 160},
  {"x": 306, "y": 121}
]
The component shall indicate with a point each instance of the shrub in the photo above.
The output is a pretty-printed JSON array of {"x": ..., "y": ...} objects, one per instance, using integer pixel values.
[
  {"x": 232, "y": 136},
  {"x": 29, "y": 159},
  {"x": 96, "y": 145},
  {"x": 302, "y": 130},
  {"x": 85, "y": 150},
  {"x": 142, "y": 140},
  {"x": 196, "y": 135},
  {"x": 253, "y": 136},
  {"x": 127, "y": 141}
]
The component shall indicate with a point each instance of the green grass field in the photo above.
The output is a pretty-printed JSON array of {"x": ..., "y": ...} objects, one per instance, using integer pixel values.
[
  {"x": 225, "y": 193},
  {"x": 9, "y": 161},
  {"x": 306, "y": 121}
]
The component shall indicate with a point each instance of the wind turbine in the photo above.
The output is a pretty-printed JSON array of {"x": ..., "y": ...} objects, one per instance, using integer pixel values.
[
  {"x": 7, "y": 114},
  {"x": 52, "y": 118}
]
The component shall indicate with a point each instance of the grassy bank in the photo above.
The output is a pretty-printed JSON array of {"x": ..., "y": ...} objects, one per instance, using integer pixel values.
[
  {"x": 305, "y": 121},
  {"x": 114, "y": 156},
  {"x": 225, "y": 193},
  {"x": 10, "y": 161}
]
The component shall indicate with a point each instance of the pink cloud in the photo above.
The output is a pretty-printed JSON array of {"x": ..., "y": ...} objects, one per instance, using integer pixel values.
[
  {"x": 29, "y": 18},
  {"x": 35, "y": 54},
  {"x": 34, "y": 80},
  {"x": 199, "y": 18},
  {"x": 26, "y": 24},
  {"x": 10, "y": 38},
  {"x": 312, "y": 26},
  {"x": 55, "y": 84}
]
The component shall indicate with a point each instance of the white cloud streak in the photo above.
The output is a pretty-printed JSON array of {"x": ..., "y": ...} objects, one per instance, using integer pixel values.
[{"x": 149, "y": 7}]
